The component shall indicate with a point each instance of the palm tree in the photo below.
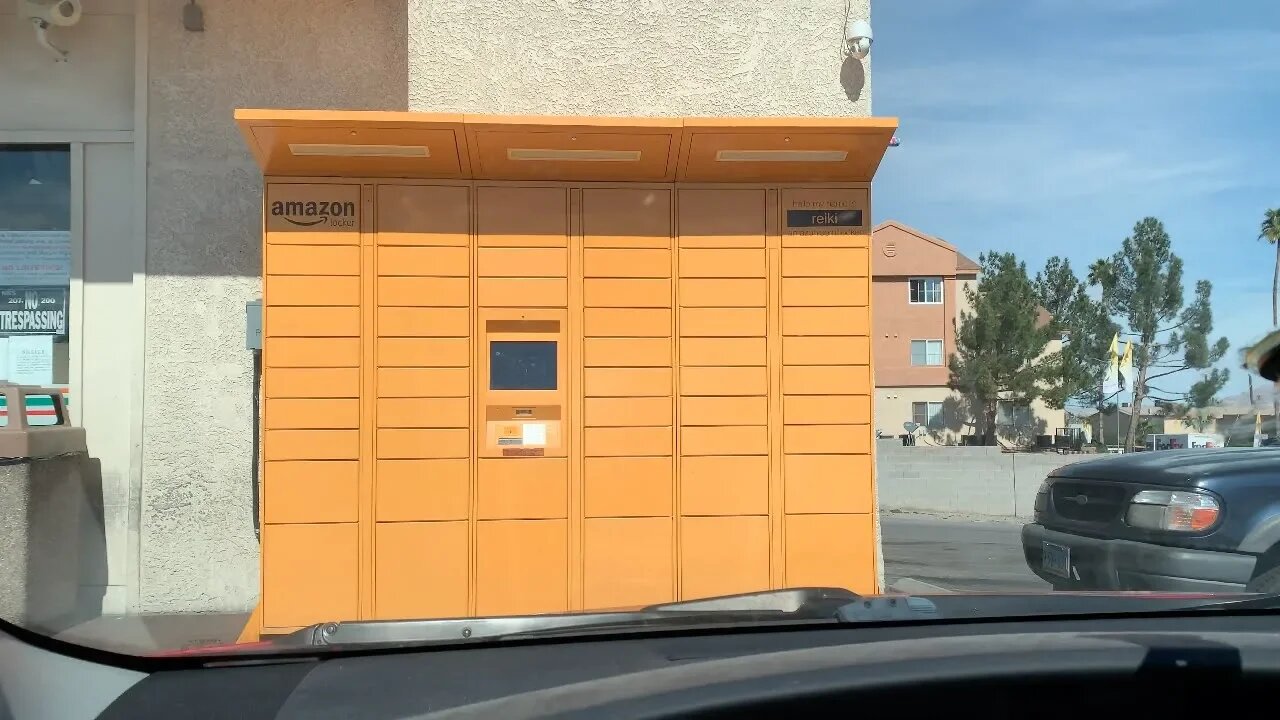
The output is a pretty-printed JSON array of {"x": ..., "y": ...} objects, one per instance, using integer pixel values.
[{"x": 1270, "y": 231}]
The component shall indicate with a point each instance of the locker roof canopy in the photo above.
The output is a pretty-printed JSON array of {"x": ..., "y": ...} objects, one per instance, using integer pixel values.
[{"x": 341, "y": 143}]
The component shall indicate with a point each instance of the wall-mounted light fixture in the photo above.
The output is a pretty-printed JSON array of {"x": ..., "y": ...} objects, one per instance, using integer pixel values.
[
  {"x": 573, "y": 155},
  {"x": 343, "y": 150},
  {"x": 781, "y": 155}
]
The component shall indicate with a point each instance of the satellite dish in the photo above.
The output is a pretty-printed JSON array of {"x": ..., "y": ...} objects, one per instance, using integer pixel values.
[{"x": 910, "y": 426}]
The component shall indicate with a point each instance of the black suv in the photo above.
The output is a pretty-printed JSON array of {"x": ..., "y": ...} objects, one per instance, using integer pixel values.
[{"x": 1173, "y": 520}]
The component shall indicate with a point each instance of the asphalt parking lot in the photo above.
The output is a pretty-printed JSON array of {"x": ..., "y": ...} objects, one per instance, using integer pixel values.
[
  {"x": 923, "y": 554},
  {"x": 962, "y": 554}
]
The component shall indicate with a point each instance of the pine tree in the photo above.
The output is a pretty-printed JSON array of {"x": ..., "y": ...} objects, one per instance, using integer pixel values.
[
  {"x": 1086, "y": 330},
  {"x": 1142, "y": 287},
  {"x": 1000, "y": 344}
]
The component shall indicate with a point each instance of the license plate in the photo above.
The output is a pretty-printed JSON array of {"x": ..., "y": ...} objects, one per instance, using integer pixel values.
[{"x": 1055, "y": 559}]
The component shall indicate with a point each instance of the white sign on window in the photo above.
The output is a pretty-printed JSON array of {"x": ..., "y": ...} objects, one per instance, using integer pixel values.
[
  {"x": 35, "y": 257},
  {"x": 30, "y": 360}
]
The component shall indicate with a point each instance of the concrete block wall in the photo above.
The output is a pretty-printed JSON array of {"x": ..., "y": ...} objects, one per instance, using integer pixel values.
[
  {"x": 968, "y": 480},
  {"x": 52, "y": 549},
  {"x": 1029, "y": 469}
]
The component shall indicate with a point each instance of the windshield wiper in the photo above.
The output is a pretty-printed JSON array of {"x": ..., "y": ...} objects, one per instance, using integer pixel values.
[
  {"x": 1259, "y": 601},
  {"x": 797, "y": 606},
  {"x": 808, "y": 605}
]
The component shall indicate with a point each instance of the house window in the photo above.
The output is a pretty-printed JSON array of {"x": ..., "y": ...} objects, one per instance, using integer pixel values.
[
  {"x": 927, "y": 414},
  {"x": 925, "y": 291},
  {"x": 926, "y": 352},
  {"x": 1010, "y": 412}
]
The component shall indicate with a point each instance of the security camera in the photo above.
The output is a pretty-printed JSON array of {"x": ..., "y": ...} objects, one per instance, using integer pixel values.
[
  {"x": 43, "y": 14},
  {"x": 857, "y": 38},
  {"x": 62, "y": 13}
]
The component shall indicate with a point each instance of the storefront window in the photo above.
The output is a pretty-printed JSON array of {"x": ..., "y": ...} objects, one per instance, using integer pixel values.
[{"x": 35, "y": 266}]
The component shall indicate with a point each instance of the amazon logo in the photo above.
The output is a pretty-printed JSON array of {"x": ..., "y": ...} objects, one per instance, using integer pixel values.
[{"x": 310, "y": 213}]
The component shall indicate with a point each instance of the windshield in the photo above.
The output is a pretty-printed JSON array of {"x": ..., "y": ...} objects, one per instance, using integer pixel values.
[{"x": 347, "y": 312}]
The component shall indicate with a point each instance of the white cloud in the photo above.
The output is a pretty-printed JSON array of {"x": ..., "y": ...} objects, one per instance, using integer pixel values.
[
  {"x": 1174, "y": 72},
  {"x": 1002, "y": 165},
  {"x": 1093, "y": 7},
  {"x": 1054, "y": 141},
  {"x": 1132, "y": 118}
]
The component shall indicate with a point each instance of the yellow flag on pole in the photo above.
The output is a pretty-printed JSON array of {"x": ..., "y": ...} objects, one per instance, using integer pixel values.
[
  {"x": 1111, "y": 381},
  {"x": 1126, "y": 366}
]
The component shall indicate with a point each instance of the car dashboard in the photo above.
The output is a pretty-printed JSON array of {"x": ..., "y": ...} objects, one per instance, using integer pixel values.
[{"x": 1132, "y": 666}]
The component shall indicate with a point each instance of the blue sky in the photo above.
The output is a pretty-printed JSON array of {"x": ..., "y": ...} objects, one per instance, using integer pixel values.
[{"x": 1052, "y": 126}]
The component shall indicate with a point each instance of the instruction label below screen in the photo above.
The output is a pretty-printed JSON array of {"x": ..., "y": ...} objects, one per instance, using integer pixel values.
[
  {"x": 530, "y": 433},
  {"x": 534, "y": 434}
]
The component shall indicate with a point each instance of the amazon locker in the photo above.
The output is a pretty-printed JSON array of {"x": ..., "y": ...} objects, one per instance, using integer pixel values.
[{"x": 538, "y": 364}]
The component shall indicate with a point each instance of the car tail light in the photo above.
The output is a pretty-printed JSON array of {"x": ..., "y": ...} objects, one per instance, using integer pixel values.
[{"x": 1177, "y": 510}]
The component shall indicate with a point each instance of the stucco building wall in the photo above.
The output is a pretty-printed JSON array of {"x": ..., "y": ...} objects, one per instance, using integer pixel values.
[
  {"x": 198, "y": 550},
  {"x": 636, "y": 57},
  {"x": 87, "y": 103},
  {"x": 196, "y": 545}
]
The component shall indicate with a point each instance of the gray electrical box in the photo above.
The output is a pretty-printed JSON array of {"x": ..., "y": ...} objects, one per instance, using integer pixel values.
[{"x": 253, "y": 325}]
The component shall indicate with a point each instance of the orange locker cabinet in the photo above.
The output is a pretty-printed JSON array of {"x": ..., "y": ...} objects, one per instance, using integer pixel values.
[{"x": 497, "y": 385}]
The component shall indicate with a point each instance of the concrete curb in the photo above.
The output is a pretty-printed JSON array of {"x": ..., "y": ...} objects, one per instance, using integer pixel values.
[
  {"x": 911, "y": 586},
  {"x": 909, "y": 515}
]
